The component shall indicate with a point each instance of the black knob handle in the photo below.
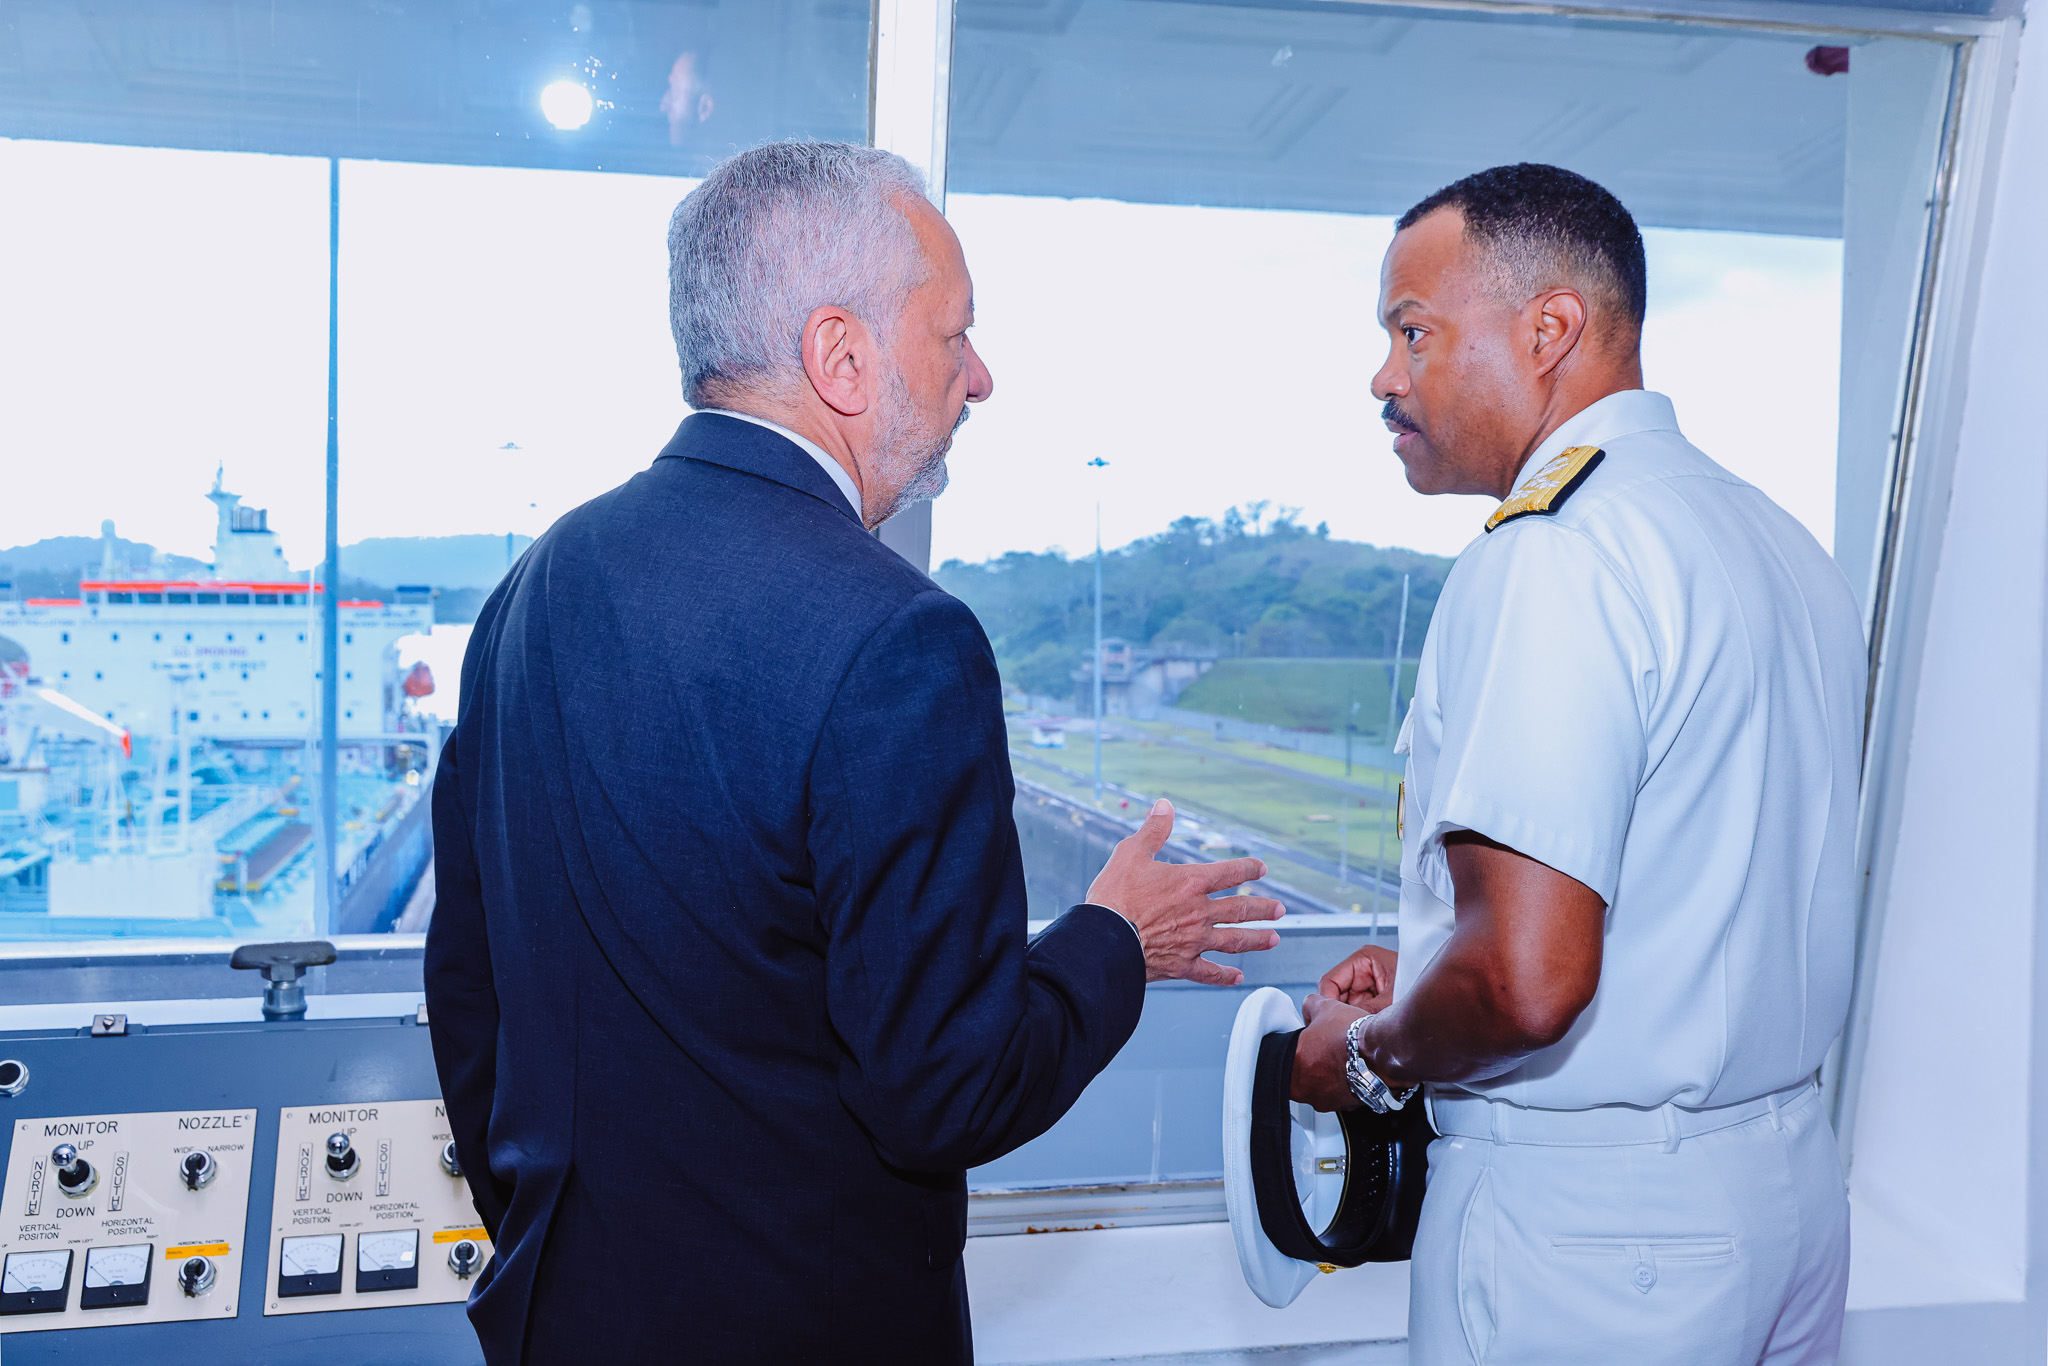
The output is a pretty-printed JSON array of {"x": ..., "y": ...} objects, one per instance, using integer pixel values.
[
  {"x": 450, "y": 1163},
  {"x": 196, "y": 1276},
  {"x": 197, "y": 1169},
  {"x": 464, "y": 1258}
]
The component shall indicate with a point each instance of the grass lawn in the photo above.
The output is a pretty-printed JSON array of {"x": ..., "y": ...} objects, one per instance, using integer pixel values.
[
  {"x": 1215, "y": 785},
  {"x": 1300, "y": 694},
  {"x": 1362, "y": 773}
]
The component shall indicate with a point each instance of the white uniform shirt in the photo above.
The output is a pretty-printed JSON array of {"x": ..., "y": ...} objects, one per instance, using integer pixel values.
[{"x": 1656, "y": 689}]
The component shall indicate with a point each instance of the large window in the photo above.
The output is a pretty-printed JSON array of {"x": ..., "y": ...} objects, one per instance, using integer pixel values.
[
  {"x": 179, "y": 186},
  {"x": 1175, "y": 214}
]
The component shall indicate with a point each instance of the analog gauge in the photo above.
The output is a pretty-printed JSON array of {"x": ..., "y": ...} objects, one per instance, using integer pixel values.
[
  {"x": 115, "y": 1276},
  {"x": 388, "y": 1259},
  {"x": 309, "y": 1265},
  {"x": 35, "y": 1282},
  {"x": 319, "y": 1255},
  {"x": 28, "y": 1271}
]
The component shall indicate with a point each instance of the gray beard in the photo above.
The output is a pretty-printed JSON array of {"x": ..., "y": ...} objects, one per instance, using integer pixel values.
[{"x": 909, "y": 453}]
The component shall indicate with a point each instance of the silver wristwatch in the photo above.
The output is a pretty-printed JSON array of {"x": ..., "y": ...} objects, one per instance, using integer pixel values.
[{"x": 1365, "y": 1083}]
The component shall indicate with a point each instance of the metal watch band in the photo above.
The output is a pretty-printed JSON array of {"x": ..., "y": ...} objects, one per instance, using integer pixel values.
[{"x": 1371, "y": 1090}]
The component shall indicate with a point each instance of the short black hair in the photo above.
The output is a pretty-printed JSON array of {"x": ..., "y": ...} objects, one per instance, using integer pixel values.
[{"x": 1529, "y": 208}]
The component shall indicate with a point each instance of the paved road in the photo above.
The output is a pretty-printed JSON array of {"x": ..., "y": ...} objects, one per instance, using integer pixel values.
[{"x": 1255, "y": 841}]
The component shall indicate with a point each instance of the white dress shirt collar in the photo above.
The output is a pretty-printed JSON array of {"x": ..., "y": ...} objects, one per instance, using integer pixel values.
[
  {"x": 1620, "y": 414},
  {"x": 810, "y": 448}
]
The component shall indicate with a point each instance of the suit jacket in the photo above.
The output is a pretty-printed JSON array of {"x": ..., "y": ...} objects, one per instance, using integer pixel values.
[{"x": 728, "y": 976}]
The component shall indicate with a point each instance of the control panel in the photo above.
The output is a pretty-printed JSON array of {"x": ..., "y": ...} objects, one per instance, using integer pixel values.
[
  {"x": 124, "y": 1218},
  {"x": 369, "y": 1209},
  {"x": 151, "y": 1206}
]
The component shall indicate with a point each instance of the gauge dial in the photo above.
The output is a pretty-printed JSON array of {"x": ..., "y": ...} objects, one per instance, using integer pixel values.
[
  {"x": 318, "y": 1255},
  {"x": 391, "y": 1250},
  {"x": 388, "y": 1259},
  {"x": 36, "y": 1281},
  {"x": 309, "y": 1265},
  {"x": 116, "y": 1276},
  {"x": 27, "y": 1271},
  {"x": 125, "y": 1265}
]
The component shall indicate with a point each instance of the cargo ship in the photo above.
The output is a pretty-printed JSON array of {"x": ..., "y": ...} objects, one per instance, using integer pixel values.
[{"x": 158, "y": 738}]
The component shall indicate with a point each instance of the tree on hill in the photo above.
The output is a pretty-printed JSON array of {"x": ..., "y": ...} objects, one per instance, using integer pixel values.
[{"x": 1249, "y": 584}]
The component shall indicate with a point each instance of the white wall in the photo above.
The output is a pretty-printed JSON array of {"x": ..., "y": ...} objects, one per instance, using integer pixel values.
[{"x": 1943, "y": 1179}]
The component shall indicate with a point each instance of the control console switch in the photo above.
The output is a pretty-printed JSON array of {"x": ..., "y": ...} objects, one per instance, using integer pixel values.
[
  {"x": 342, "y": 1160},
  {"x": 465, "y": 1257},
  {"x": 282, "y": 965},
  {"x": 198, "y": 1169},
  {"x": 75, "y": 1176},
  {"x": 196, "y": 1276}
]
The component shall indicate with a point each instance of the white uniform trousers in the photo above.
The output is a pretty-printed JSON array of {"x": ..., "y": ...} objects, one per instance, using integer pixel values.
[{"x": 1581, "y": 1238}]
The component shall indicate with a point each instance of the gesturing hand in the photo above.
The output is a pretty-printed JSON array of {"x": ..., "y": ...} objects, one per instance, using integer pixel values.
[{"x": 1171, "y": 906}]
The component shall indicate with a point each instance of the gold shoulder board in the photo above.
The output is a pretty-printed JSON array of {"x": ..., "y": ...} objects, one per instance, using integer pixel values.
[{"x": 1545, "y": 491}]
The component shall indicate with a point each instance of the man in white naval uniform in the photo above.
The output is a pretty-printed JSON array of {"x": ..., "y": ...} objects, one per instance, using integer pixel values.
[{"x": 1627, "y": 832}]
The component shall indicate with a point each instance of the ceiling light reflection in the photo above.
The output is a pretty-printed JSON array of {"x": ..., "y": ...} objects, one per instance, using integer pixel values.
[{"x": 566, "y": 104}]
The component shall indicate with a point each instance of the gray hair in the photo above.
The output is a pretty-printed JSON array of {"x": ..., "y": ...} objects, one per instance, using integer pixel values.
[{"x": 772, "y": 234}]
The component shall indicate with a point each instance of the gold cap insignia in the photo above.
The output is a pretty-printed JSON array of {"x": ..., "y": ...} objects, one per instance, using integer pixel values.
[{"x": 1545, "y": 491}]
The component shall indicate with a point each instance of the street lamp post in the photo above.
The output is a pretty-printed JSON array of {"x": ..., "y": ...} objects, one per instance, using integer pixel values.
[{"x": 1097, "y": 671}]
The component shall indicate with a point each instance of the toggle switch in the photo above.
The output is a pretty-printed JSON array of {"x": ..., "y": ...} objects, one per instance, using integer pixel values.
[
  {"x": 342, "y": 1162},
  {"x": 196, "y": 1276},
  {"x": 465, "y": 1257},
  {"x": 197, "y": 1170},
  {"x": 449, "y": 1162},
  {"x": 75, "y": 1175}
]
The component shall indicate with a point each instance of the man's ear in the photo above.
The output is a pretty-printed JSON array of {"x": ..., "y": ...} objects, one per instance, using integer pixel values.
[
  {"x": 838, "y": 359},
  {"x": 1560, "y": 319}
]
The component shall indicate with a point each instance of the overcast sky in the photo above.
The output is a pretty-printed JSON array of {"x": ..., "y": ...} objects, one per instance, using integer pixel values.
[{"x": 505, "y": 355}]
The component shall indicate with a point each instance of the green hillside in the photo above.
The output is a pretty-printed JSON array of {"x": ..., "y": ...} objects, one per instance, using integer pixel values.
[
  {"x": 1301, "y": 694},
  {"x": 1249, "y": 586}
]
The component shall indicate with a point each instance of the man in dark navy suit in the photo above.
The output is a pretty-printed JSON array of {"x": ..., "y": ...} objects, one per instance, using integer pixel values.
[{"x": 728, "y": 975}]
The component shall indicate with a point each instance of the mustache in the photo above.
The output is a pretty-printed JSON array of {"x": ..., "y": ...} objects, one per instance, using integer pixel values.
[{"x": 1393, "y": 416}]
